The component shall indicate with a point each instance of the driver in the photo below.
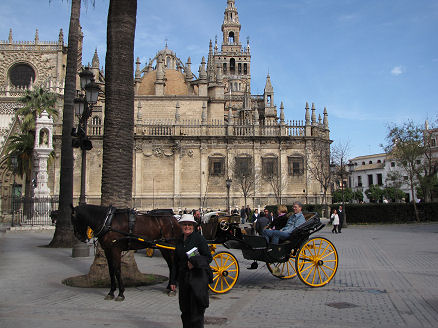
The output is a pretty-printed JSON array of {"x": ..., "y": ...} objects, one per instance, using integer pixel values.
[{"x": 293, "y": 222}]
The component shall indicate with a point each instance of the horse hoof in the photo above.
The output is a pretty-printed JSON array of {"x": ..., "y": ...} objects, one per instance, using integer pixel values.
[
  {"x": 109, "y": 297},
  {"x": 120, "y": 298}
]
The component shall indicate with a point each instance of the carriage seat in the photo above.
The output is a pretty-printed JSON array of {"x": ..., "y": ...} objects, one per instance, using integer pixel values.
[{"x": 311, "y": 224}]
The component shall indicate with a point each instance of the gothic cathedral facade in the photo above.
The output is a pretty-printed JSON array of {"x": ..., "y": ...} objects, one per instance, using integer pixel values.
[{"x": 201, "y": 140}]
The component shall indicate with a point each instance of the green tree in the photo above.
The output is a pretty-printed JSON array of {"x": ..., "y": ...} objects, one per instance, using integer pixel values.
[
  {"x": 35, "y": 102},
  {"x": 405, "y": 144},
  {"x": 347, "y": 195},
  {"x": 393, "y": 194},
  {"x": 374, "y": 193},
  {"x": 358, "y": 195}
]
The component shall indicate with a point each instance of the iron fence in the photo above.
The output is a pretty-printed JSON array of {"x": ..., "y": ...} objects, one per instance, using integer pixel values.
[{"x": 30, "y": 211}]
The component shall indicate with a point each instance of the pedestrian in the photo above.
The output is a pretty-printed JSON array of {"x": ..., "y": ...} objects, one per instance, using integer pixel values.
[
  {"x": 335, "y": 220},
  {"x": 197, "y": 217},
  {"x": 341, "y": 218},
  {"x": 248, "y": 212},
  {"x": 268, "y": 215},
  {"x": 293, "y": 222},
  {"x": 243, "y": 214},
  {"x": 255, "y": 215},
  {"x": 191, "y": 271}
]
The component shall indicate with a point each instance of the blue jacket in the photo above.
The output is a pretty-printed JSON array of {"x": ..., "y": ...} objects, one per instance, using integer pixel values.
[{"x": 294, "y": 222}]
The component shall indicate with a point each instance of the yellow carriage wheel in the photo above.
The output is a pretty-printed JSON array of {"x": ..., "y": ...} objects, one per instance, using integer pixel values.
[
  {"x": 286, "y": 270},
  {"x": 316, "y": 262},
  {"x": 225, "y": 272},
  {"x": 150, "y": 252}
]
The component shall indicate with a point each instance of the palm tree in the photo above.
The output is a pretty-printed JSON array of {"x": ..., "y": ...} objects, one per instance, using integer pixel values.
[
  {"x": 118, "y": 138},
  {"x": 34, "y": 103},
  {"x": 64, "y": 236}
]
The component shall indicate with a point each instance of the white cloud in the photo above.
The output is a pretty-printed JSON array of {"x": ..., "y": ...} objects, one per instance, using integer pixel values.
[{"x": 397, "y": 70}]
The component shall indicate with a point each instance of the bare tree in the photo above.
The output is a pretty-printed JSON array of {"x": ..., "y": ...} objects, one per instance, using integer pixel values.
[
  {"x": 244, "y": 176},
  {"x": 339, "y": 156},
  {"x": 318, "y": 166},
  {"x": 272, "y": 175}
]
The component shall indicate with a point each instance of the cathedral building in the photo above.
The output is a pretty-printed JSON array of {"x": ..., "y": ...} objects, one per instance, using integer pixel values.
[{"x": 202, "y": 139}]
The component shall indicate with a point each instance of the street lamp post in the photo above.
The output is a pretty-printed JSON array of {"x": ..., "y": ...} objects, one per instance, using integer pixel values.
[
  {"x": 228, "y": 182},
  {"x": 83, "y": 106},
  {"x": 14, "y": 163}
]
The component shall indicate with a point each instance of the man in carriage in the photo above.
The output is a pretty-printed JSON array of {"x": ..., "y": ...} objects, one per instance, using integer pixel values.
[{"x": 293, "y": 222}]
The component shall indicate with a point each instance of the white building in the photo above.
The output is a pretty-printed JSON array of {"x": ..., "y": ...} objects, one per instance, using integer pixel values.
[{"x": 374, "y": 170}]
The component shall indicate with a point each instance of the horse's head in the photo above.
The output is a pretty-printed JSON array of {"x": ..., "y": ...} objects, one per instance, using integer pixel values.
[{"x": 79, "y": 225}]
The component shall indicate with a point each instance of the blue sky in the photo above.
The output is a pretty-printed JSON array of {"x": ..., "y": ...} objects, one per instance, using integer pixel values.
[{"x": 370, "y": 62}]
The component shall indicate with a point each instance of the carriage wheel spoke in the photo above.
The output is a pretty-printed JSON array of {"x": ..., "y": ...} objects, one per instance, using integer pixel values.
[{"x": 332, "y": 252}]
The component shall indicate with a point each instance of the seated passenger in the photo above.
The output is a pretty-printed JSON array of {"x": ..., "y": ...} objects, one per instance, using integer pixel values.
[{"x": 293, "y": 222}]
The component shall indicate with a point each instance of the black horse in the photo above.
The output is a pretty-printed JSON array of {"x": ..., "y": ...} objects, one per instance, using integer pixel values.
[{"x": 122, "y": 230}]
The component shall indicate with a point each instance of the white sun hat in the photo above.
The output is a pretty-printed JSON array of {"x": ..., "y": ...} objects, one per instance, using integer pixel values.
[{"x": 187, "y": 218}]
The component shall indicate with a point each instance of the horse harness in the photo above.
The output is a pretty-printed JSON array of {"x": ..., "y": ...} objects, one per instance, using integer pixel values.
[{"x": 132, "y": 216}]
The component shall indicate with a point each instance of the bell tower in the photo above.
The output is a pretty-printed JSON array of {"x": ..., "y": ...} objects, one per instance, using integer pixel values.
[
  {"x": 234, "y": 59},
  {"x": 231, "y": 28}
]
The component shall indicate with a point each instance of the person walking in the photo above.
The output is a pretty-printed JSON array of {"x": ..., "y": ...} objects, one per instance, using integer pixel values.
[
  {"x": 191, "y": 271},
  {"x": 341, "y": 218},
  {"x": 255, "y": 215},
  {"x": 248, "y": 213},
  {"x": 335, "y": 220},
  {"x": 243, "y": 214}
]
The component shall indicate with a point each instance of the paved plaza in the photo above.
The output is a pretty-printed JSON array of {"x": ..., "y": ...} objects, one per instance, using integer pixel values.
[{"x": 387, "y": 277}]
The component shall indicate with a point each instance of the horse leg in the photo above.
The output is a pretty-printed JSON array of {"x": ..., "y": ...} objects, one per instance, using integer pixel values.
[
  {"x": 117, "y": 256},
  {"x": 168, "y": 256},
  {"x": 109, "y": 259}
]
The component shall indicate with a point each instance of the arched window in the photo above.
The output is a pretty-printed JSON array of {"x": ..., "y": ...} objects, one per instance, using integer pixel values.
[
  {"x": 245, "y": 68},
  {"x": 231, "y": 37},
  {"x": 232, "y": 66},
  {"x": 21, "y": 75},
  {"x": 239, "y": 68}
]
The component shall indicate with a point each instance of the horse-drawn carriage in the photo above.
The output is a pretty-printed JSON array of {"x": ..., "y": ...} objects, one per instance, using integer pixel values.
[{"x": 313, "y": 259}]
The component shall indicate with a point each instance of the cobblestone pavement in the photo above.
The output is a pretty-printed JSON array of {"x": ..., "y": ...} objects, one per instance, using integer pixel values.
[{"x": 387, "y": 277}]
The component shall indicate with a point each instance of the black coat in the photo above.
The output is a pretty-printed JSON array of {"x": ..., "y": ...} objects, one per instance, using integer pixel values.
[
  {"x": 201, "y": 275},
  {"x": 279, "y": 222}
]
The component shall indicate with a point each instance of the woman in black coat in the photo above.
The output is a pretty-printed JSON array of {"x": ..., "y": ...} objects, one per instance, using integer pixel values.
[{"x": 191, "y": 270}]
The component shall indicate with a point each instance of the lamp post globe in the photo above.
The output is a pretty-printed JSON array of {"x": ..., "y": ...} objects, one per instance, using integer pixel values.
[
  {"x": 92, "y": 92},
  {"x": 86, "y": 76}
]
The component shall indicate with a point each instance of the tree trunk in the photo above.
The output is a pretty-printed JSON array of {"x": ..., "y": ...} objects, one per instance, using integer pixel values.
[
  {"x": 118, "y": 138},
  {"x": 64, "y": 236},
  {"x": 411, "y": 181}
]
